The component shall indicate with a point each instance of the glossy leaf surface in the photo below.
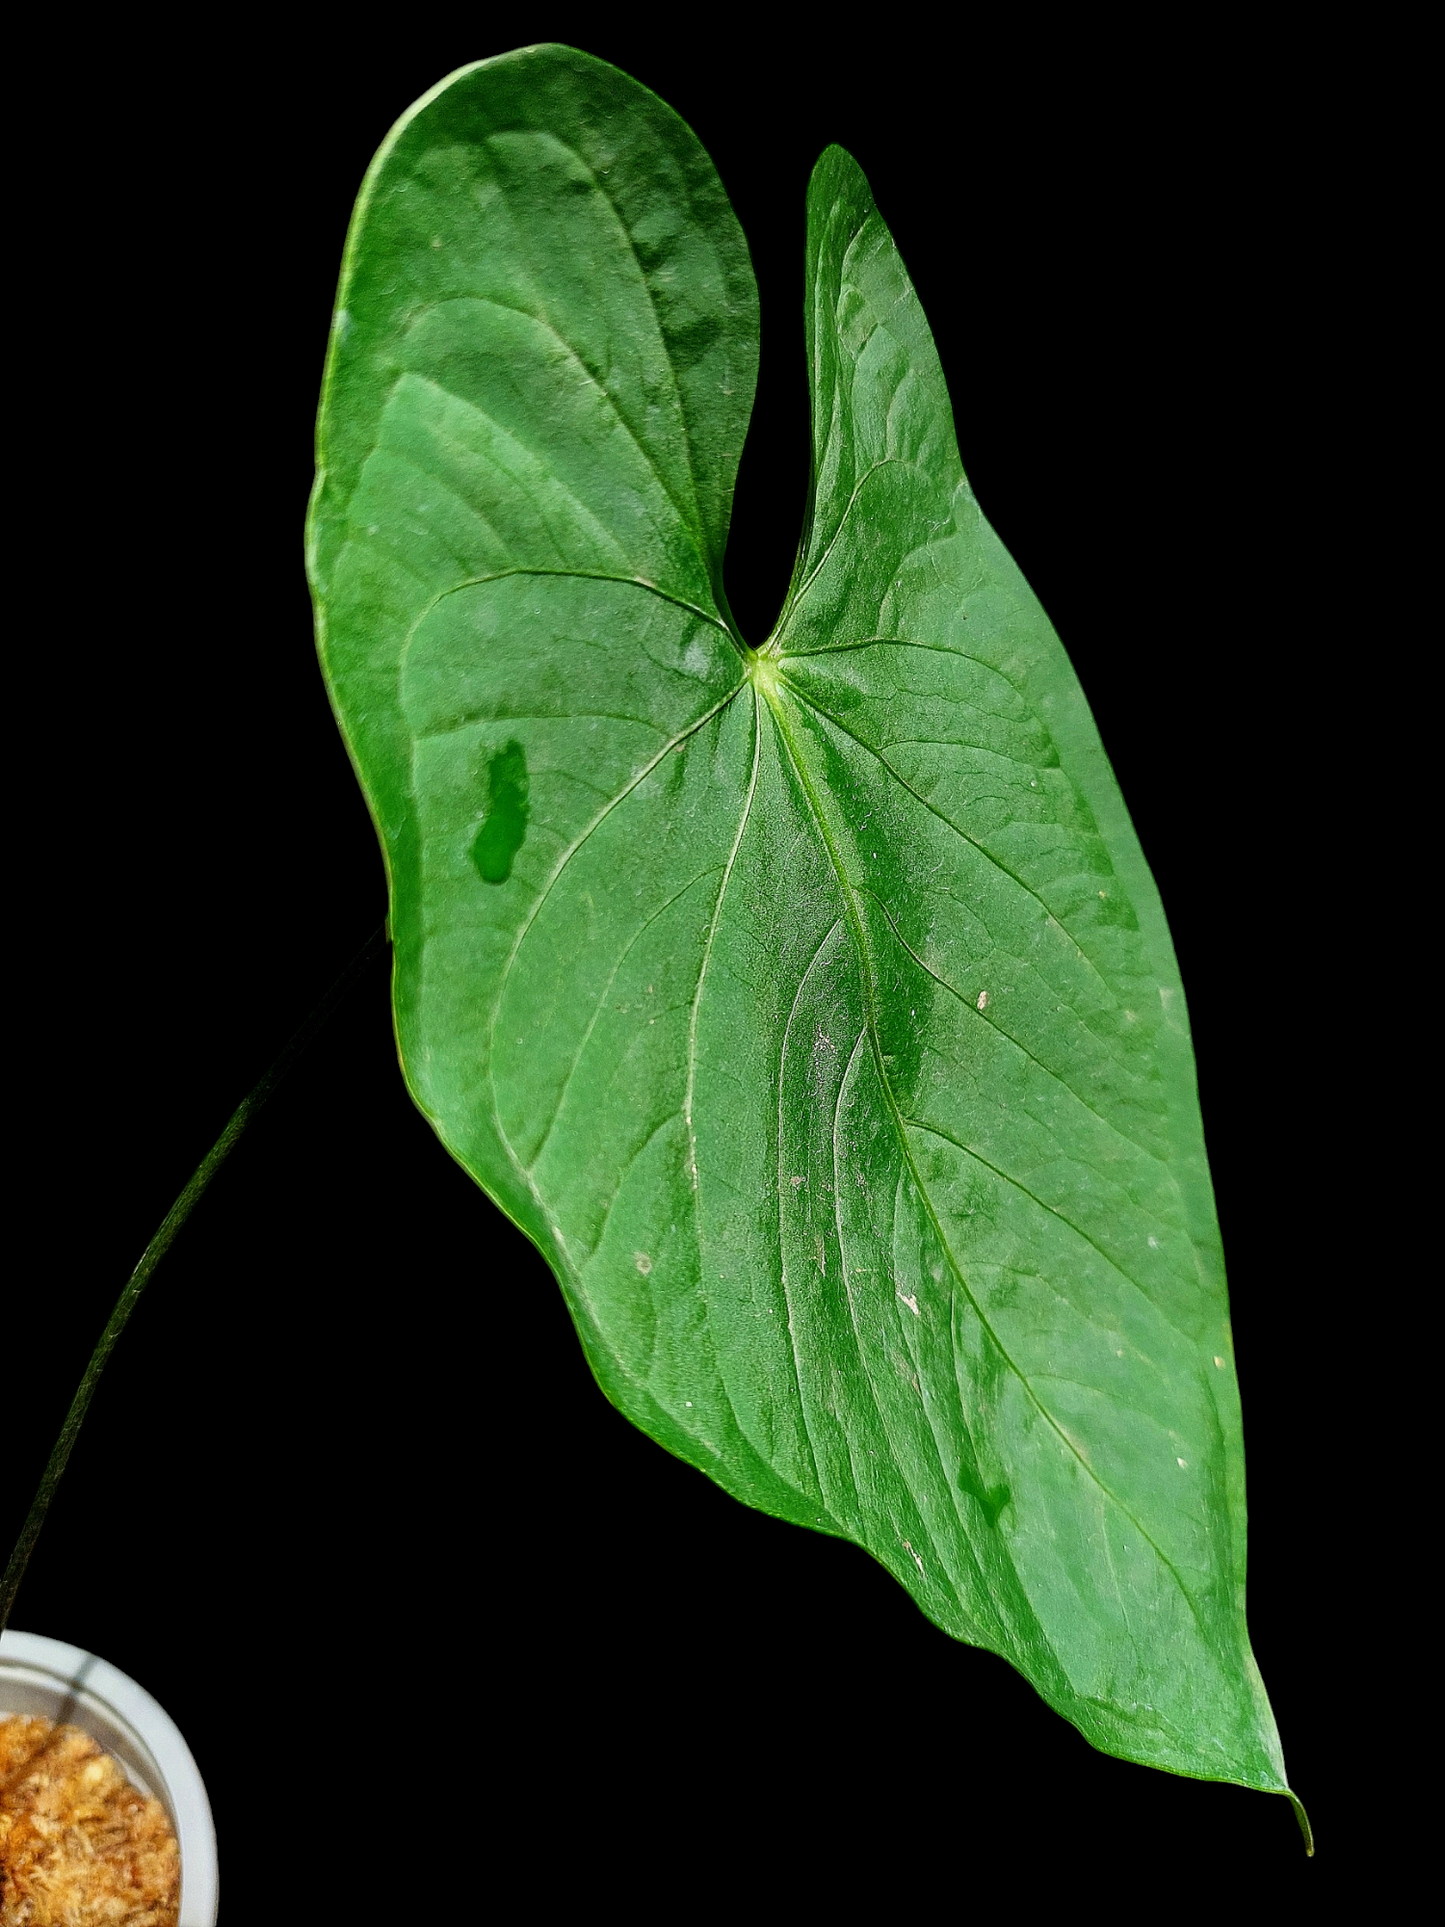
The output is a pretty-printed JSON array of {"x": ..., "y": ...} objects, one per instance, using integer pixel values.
[{"x": 812, "y": 1009}]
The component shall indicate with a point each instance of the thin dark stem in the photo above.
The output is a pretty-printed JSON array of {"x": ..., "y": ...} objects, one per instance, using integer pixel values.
[{"x": 159, "y": 1245}]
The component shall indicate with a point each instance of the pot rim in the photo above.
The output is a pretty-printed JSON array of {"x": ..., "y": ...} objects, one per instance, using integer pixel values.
[{"x": 62, "y": 1682}]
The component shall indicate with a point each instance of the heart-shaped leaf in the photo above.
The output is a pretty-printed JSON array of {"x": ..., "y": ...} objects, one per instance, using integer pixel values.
[{"x": 812, "y": 1008}]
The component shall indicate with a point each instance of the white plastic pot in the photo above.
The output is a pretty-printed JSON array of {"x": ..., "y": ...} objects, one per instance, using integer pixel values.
[{"x": 59, "y": 1682}]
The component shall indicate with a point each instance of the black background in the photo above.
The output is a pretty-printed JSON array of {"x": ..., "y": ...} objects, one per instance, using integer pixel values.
[{"x": 348, "y": 1475}]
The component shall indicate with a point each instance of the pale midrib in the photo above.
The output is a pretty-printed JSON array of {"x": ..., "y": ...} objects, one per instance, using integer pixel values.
[{"x": 900, "y": 1123}]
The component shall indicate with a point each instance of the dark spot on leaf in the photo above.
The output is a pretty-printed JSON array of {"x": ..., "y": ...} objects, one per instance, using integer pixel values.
[
  {"x": 992, "y": 1498},
  {"x": 505, "y": 824},
  {"x": 1115, "y": 908},
  {"x": 688, "y": 341}
]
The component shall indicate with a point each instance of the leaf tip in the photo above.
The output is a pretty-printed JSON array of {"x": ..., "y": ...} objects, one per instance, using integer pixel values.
[
  {"x": 1304, "y": 1822},
  {"x": 837, "y": 176}
]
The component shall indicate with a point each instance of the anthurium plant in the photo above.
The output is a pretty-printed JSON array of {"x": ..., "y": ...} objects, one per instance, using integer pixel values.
[{"x": 809, "y": 1005}]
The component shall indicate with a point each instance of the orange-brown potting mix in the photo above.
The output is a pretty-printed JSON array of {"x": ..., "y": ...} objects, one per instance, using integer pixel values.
[{"x": 79, "y": 1845}]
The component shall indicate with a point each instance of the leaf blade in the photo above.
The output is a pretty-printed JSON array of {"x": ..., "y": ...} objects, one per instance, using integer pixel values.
[{"x": 814, "y": 1012}]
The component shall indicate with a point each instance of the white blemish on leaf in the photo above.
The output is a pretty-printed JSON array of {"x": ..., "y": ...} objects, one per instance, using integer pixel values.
[
  {"x": 1219, "y": 1361},
  {"x": 1153, "y": 1244},
  {"x": 983, "y": 1000},
  {"x": 642, "y": 1261},
  {"x": 695, "y": 661},
  {"x": 912, "y": 1304},
  {"x": 795, "y": 1182},
  {"x": 914, "y": 1556},
  {"x": 1183, "y": 1464}
]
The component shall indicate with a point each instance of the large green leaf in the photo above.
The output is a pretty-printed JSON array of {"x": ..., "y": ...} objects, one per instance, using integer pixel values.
[{"x": 812, "y": 1009}]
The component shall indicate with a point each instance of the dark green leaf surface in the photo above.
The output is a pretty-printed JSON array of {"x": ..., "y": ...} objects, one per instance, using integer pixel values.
[{"x": 813, "y": 1009}]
